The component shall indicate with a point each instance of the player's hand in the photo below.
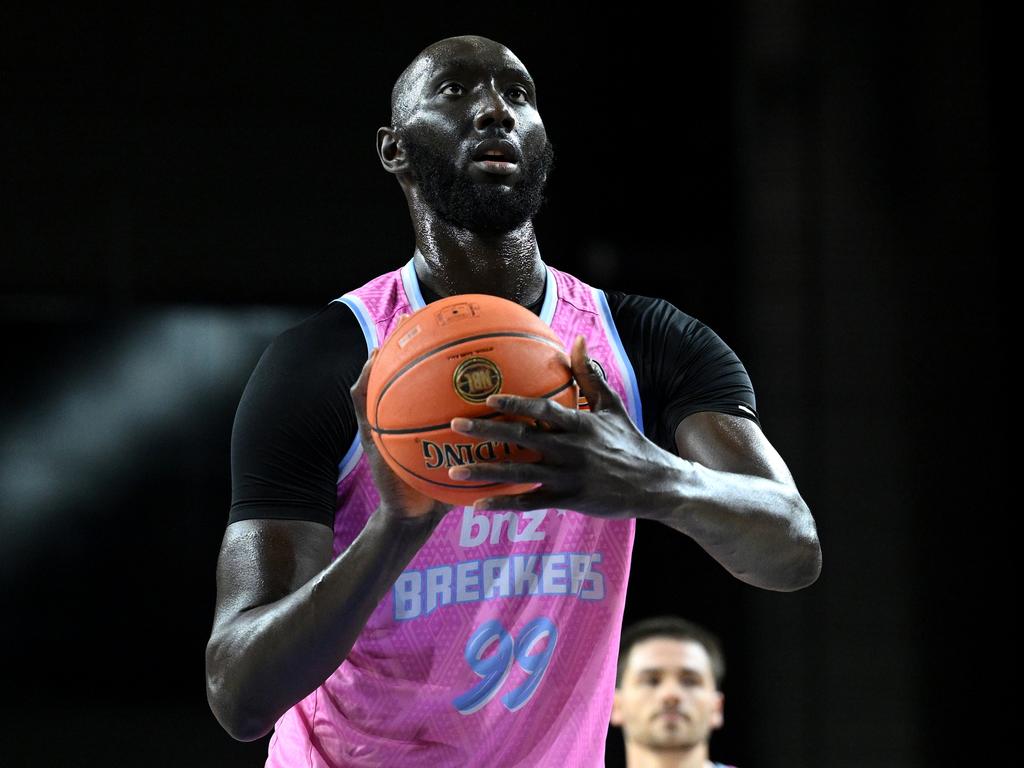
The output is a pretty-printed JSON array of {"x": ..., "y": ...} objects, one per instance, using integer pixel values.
[
  {"x": 595, "y": 462},
  {"x": 397, "y": 497}
]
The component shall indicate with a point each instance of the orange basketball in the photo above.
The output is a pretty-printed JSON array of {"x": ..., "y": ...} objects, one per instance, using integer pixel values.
[{"x": 443, "y": 362}]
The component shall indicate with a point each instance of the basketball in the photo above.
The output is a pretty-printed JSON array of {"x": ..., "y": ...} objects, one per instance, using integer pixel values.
[{"x": 443, "y": 362}]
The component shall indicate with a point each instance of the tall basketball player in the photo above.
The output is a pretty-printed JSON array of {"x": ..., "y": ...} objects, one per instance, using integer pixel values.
[{"x": 369, "y": 625}]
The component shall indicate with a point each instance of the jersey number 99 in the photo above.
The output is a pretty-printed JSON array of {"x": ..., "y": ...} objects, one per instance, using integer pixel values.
[{"x": 495, "y": 669}]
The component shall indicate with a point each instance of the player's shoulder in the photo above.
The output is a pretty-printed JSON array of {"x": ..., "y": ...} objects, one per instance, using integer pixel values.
[
  {"x": 633, "y": 307},
  {"x": 327, "y": 345},
  {"x": 331, "y": 327}
]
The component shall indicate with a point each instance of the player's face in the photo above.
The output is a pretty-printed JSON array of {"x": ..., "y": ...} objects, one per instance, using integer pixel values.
[
  {"x": 463, "y": 96},
  {"x": 668, "y": 698}
]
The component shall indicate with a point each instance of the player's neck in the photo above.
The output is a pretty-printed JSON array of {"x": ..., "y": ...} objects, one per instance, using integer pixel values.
[
  {"x": 639, "y": 756},
  {"x": 451, "y": 261}
]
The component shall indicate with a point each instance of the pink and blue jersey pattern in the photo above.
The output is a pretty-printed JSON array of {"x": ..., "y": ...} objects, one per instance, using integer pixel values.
[{"x": 497, "y": 645}]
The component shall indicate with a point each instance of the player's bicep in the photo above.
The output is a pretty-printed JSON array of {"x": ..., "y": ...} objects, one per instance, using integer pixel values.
[
  {"x": 264, "y": 560},
  {"x": 295, "y": 422},
  {"x": 730, "y": 444},
  {"x": 288, "y": 437}
]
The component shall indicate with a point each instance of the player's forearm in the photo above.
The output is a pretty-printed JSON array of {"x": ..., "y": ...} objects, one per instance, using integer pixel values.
[
  {"x": 760, "y": 530},
  {"x": 271, "y": 657}
]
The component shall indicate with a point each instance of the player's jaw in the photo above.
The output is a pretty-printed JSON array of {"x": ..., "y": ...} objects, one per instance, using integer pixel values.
[
  {"x": 672, "y": 729},
  {"x": 472, "y": 196}
]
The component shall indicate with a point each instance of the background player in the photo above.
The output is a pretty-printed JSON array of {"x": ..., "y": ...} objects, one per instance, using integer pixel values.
[
  {"x": 667, "y": 693},
  {"x": 491, "y": 630}
]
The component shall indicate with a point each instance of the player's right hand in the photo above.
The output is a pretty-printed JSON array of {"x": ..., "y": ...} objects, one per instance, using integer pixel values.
[{"x": 397, "y": 497}]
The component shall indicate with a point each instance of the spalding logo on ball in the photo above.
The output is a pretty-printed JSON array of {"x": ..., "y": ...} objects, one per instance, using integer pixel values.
[{"x": 444, "y": 362}]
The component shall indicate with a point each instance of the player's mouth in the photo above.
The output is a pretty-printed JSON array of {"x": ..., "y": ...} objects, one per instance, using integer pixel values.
[
  {"x": 672, "y": 716},
  {"x": 496, "y": 156}
]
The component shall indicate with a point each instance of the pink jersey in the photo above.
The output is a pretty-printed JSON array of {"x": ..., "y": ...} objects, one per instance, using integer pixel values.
[{"x": 497, "y": 645}]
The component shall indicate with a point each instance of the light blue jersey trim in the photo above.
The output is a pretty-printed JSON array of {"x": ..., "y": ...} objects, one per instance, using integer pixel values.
[
  {"x": 412, "y": 285},
  {"x": 547, "y": 309},
  {"x": 363, "y": 316},
  {"x": 347, "y": 464},
  {"x": 624, "y": 364},
  {"x": 369, "y": 328},
  {"x": 412, "y": 291}
]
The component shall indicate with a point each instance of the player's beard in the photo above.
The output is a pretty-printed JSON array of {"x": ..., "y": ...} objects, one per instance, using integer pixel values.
[{"x": 479, "y": 207}]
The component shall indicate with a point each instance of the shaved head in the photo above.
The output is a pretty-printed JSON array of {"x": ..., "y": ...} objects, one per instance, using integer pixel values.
[{"x": 410, "y": 82}]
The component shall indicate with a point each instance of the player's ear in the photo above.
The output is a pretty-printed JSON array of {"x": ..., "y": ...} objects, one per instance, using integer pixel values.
[
  {"x": 391, "y": 150},
  {"x": 616, "y": 718}
]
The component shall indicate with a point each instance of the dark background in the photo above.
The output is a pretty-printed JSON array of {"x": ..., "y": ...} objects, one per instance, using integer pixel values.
[{"x": 813, "y": 180}]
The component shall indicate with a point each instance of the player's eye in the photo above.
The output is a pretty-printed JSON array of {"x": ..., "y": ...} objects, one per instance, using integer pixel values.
[
  {"x": 451, "y": 85},
  {"x": 517, "y": 89}
]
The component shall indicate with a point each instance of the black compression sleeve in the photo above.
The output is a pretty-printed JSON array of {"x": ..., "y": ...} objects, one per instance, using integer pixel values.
[
  {"x": 681, "y": 365},
  {"x": 295, "y": 420}
]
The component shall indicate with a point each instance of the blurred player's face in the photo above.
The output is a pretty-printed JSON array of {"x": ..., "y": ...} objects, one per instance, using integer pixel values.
[
  {"x": 668, "y": 699},
  {"x": 464, "y": 95}
]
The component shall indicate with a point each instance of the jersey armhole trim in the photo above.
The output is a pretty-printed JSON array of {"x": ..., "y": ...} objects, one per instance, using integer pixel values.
[
  {"x": 625, "y": 366},
  {"x": 362, "y": 314},
  {"x": 369, "y": 328},
  {"x": 347, "y": 464}
]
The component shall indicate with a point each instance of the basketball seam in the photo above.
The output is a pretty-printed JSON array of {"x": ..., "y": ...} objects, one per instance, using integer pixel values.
[{"x": 447, "y": 424}]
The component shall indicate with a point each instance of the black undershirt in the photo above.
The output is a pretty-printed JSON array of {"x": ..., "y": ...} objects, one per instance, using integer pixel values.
[{"x": 295, "y": 420}]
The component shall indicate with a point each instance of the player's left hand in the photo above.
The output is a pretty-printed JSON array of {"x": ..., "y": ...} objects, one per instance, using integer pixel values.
[{"x": 596, "y": 461}]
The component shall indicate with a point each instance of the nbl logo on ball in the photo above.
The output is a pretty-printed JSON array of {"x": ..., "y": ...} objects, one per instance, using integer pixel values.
[{"x": 476, "y": 379}]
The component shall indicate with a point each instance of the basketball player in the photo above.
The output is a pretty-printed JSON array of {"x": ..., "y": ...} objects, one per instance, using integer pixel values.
[
  {"x": 369, "y": 625},
  {"x": 667, "y": 697}
]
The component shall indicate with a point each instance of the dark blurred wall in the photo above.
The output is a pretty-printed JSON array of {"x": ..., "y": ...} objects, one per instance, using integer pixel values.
[
  {"x": 869, "y": 270},
  {"x": 812, "y": 180}
]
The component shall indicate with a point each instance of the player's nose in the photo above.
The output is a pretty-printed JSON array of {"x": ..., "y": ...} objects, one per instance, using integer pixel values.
[
  {"x": 671, "y": 697},
  {"x": 494, "y": 109}
]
